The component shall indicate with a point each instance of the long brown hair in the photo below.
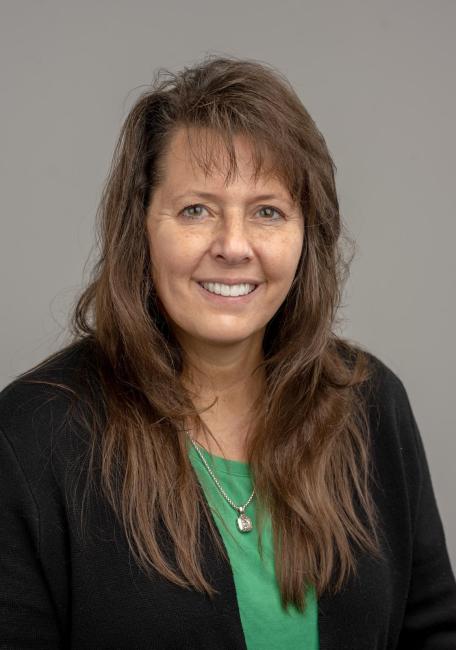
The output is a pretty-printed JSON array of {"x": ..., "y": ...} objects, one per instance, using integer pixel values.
[{"x": 309, "y": 447}]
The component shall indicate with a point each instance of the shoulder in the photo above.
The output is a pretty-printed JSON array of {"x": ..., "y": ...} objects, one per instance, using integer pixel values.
[
  {"x": 395, "y": 437},
  {"x": 398, "y": 453},
  {"x": 387, "y": 395},
  {"x": 64, "y": 371},
  {"x": 39, "y": 410},
  {"x": 384, "y": 390}
]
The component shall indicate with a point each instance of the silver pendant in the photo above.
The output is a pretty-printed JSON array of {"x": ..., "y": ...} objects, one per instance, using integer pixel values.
[{"x": 244, "y": 523}]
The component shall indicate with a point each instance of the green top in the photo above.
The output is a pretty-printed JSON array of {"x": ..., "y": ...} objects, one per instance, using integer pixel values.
[{"x": 266, "y": 625}]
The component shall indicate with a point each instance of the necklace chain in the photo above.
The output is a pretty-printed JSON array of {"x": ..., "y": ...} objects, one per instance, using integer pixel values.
[{"x": 244, "y": 522}]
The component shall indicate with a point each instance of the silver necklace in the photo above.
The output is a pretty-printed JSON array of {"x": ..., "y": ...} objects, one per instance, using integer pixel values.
[{"x": 244, "y": 523}]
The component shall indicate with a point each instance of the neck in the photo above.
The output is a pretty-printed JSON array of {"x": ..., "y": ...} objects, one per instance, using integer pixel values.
[
  {"x": 229, "y": 376},
  {"x": 226, "y": 371}
]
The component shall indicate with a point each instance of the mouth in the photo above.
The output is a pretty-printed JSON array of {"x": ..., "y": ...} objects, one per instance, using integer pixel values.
[{"x": 221, "y": 299}]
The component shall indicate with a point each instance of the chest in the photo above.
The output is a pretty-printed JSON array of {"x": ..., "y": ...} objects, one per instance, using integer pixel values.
[{"x": 115, "y": 605}]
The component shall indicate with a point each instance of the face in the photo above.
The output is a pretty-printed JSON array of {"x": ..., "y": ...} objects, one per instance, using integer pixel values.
[{"x": 202, "y": 231}]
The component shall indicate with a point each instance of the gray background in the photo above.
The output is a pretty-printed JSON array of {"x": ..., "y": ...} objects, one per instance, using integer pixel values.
[{"x": 377, "y": 77}]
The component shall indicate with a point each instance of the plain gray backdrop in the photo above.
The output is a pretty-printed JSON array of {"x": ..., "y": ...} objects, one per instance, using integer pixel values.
[{"x": 377, "y": 77}]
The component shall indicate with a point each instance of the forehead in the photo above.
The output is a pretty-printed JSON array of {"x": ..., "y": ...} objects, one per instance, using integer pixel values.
[{"x": 200, "y": 155}]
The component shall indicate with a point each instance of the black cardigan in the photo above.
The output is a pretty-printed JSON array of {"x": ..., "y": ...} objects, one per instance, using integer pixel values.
[{"x": 57, "y": 591}]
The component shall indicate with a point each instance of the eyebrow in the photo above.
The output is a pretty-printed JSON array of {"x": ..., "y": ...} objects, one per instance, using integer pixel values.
[{"x": 211, "y": 196}]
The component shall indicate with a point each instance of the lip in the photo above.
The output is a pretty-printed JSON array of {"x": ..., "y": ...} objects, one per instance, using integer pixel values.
[
  {"x": 229, "y": 300},
  {"x": 231, "y": 282}
]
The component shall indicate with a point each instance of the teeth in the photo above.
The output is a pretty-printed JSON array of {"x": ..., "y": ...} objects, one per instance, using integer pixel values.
[{"x": 227, "y": 289}]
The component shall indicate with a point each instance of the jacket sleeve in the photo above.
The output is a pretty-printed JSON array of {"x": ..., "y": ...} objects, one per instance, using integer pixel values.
[
  {"x": 430, "y": 616},
  {"x": 27, "y": 614}
]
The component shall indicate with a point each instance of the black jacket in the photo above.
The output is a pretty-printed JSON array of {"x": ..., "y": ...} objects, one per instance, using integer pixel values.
[{"x": 58, "y": 592}]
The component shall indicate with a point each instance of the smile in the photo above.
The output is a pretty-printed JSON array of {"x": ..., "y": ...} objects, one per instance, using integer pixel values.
[
  {"x": 228, "y": 294},
  {"x": 228, "y": 290}
]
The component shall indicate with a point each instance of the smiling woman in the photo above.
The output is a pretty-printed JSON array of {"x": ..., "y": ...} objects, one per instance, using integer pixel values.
[
  {"x": 208, "y": 464},
  {"x": 229, "y": 239}
]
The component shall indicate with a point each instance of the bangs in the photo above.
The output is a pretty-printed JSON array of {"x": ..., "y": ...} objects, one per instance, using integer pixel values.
[{"x": 213, "y": 150}]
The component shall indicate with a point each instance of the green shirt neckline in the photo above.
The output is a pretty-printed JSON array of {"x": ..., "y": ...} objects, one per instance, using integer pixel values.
[{"x": 221, "y": 465}]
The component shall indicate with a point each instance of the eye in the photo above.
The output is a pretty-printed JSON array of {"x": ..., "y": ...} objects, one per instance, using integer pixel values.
[
  {"x": 186, "y": 212},
  {"x": 189, "y": 212},
  {"x": 278, "y": 212}
]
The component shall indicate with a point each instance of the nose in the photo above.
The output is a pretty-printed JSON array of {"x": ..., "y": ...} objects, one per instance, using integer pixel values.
[{"x": 232, "y": 238}]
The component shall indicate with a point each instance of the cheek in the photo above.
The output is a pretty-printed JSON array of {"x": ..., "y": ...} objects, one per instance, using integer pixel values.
[
  {"x": 172, "y": 257},
  {"x": 282, "y": 258},
  {"x": 295, "y": 246}
]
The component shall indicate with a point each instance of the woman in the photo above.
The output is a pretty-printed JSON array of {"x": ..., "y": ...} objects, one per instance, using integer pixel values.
[{"x": 207, "y": 464}]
